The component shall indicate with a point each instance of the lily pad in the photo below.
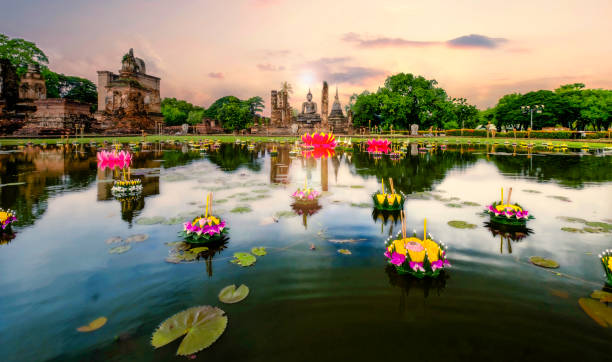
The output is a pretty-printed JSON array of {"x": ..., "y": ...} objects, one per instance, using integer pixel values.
[
  {"x": 241, "y": 209},
  {"x": 120, "y": 249},
  {"x": 571, "y": 230},
  {"x": 284, "y": 214},
  {"x": 543, "y": 262},
  {"x": 203, "y": 326},
  {"x": 114, "y": 239},
  {"x": 453, "y": 205},
  {"x": 93, "y": 325},
  {"x": 344, "y": 251},
  {"x": 597, "y": 224},
  {"x": 174, "y": 220},
  {"x": 198, "y": 250},
  {"x": 244, "y": 259},
  {"x": 138, "y": 238},
  {"x": 362, "y": 205},
  {"x": 470, "y": 203},
  {"x": 594, "y": 230},
  {"x": 231, "y": 294},
  {"x": 532, "y": 191},
  {"x": 259, "y": 251},
  {"x": 461, "y": 224},
  {"x": 356, "y": 186},
  {"x": 598, "y": 311},
  {"x": 150, "y": 220},
  {"x": 561, "y": 198},
  {"x": 604, "y": 297},
  {"x": 571, "y": 219}
]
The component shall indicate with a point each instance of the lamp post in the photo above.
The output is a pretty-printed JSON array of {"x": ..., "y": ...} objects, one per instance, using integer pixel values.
[{"x": 530, "y": 109}]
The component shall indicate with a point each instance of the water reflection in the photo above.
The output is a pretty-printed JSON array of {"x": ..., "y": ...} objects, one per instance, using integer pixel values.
[
  {"x": 420, "y": 288},
  {"x": 507, "y": 235}
]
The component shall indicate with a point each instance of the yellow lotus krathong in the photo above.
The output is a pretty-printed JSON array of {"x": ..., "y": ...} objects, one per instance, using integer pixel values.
[
  {"x": 606, "y": 262},
  {"x": 411, "y": 255},
  {"x": 389, "y": 202},
  {"x": 204, "y": 228},
  {"x": 7, "y": 217}
]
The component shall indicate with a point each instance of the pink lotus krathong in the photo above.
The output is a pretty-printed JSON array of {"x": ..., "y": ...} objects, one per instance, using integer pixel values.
[
  {"x": 379, "y": 146},
  {"x": 106, "y": 159},
  {"x": 320, "y": 140}
]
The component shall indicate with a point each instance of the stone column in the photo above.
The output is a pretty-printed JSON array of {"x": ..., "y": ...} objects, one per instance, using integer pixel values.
[{"x": 324, "y": 106}]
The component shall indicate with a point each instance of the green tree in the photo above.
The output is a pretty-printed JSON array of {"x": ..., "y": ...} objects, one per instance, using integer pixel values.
[
  {"x": 212, "y": 111},
  {"x": 21, "y": 53},
  {"x": 235, "y": 116},
  {"x": 177, "y": 112},
  {"x": 256, "y": 105}
]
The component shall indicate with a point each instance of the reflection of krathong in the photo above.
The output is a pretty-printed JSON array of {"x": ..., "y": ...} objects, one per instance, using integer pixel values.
[
  {"x": 204, "y": 228},
  {"x": 7, "y": 217},
  {"x": 414, "y": 256},
  {"x": 317, "y": 153},
  {"x": 114, "y": 159},
  {"x": 389, "y": 202},
  {"x": 507, "y": 213},
  {"x": 385, "y": 216},
  {"x": 319, "y": 140},
  {"x": 606, "y": 262},
  {"x": 379, "y": 146}
]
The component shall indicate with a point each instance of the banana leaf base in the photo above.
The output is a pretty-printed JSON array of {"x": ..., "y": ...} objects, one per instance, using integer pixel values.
[
  {"x": 418, "y": 274},
  {"x": 193, "y": 238},
  {"x": 502, "y": 220},
  {"x": 395, "y": 206}
]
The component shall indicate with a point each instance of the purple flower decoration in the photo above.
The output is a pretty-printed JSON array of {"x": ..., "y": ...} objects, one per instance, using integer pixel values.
[
  {"x": 438, "y": 264},
  {"x": 417, "y": 266},
  {"x": 397, "y": 259}
]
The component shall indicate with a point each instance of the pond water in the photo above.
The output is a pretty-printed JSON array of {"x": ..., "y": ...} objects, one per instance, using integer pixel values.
[{"x": 57, "y": 272}]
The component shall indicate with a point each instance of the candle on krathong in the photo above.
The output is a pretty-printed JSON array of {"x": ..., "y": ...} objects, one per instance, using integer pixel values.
[
  {"x": 206, "y": 211},
  {"x": 502, "y": 196},
  {"x": 424, "y": 229}
]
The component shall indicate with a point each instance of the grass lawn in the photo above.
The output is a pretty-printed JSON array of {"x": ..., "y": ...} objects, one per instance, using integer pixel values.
[{"x": 600, "y": 143}]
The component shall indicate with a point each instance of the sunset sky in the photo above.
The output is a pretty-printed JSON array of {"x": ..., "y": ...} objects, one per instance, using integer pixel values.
[{"x": 202, "y": 50}]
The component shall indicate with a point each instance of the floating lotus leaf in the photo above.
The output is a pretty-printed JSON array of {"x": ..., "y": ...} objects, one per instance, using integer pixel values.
[
  {"x": 203, "y": 326},
  {"x": 453, "y": 205},
  {"x": 571, "y": 219},
  {"x": 604, "y": 297},
  {"x": 137, "y": 238},
  {"x": 284, "y": 214},
  {"x": 150, "y": 220},
  {"x": 114, "y": 239},
  {"x": 221, "y": 201},
  {"x": 461, "y": 224},
  {"x": 262, "y": 191},
  {"x": 561, "y": 198},
  {"x": 532, "y": 191},
  {"x": 356, "y": 186},
  {"x": 198, "y": 250},
  {"x": 231, "y": 295},
  {"x": 120, "y": 249},
  {"x": 598, "y": 311},
  {"x": 470, "y": 203},
  {"x": 362, "y": 205},
  {"x": 241, "y": 209},
  {"x": 543, "y": 262},
  {"x": 602, "y": 225},
  {"x": 344, "y": 251},
  {"x": 93, "y": 325},
  {"x": 259, "y": 251},
  {"x": 244, "y": 259},
  {"x": 454, "y": 198},
  {"x": 571, "y": 230},
  {"x": 594, "y": 230},
  {"x": 174, "y": 220}
]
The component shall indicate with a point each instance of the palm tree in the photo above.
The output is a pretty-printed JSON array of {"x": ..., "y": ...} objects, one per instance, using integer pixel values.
[{"x": 287, "y": 87}]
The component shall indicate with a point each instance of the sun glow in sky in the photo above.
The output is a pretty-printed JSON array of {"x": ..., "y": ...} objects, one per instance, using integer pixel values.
[{"x": 202, "y": 50}]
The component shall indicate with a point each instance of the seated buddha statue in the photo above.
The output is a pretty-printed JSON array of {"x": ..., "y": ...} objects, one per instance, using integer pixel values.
[{"x": 309, "y": 111}]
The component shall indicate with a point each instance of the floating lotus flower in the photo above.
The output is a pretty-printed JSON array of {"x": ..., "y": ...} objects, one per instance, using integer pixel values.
[
  {"x": 414, "y": 256},
  {"x": 113, "y": 159},
  {"x": 388, "y": 202},
  {"x": 319, "y": 140},
  {"x": 606, "y": 262},
  {"x": 7, "y": 217},
  {"x": 507, "y": 213},
  {"x": 379, "y": 146},
  {"x": 204, "y": 228}
]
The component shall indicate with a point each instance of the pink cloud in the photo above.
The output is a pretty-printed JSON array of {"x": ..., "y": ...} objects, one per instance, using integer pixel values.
[{"x": 215, "y": 75}]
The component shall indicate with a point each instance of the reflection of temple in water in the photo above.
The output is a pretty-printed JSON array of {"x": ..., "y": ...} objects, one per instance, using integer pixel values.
[{"x": 279, "y": 166}]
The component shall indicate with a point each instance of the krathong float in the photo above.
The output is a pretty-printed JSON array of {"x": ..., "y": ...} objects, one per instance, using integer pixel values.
[
  {"x": 378, "y": 146},
  {"x": 389, "y": 202},
  {"x": 319, "y": 140},
  {"x": 7, "y": 217},
  {"x": 411, "y": 255},
  {"x": 204, "y": 228},
  {"x": 606, "y": 262},
  {"x": 127, "y": 187},
  {"x": 306, "y": 195},
  {"x": 507, "y": 213},
  {"x": 114, "y": 159}
]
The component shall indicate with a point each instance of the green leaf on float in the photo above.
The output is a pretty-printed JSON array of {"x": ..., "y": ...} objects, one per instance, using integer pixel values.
[
  {"x": 231, "y": 294},
  {"x": 244, "y": 259},
  {"x": 259, "y": 251},
  {"x": 543, "y": 262},
  {"x": 203, "y": 326},
  {"x": 344, "y": 251}
]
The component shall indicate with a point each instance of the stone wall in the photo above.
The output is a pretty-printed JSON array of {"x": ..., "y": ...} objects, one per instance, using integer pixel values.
[{"x": 56, "y": 116}]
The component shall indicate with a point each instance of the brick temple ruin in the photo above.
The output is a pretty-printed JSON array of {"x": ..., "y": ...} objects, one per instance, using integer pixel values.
[{"x": 285, "y": 120}]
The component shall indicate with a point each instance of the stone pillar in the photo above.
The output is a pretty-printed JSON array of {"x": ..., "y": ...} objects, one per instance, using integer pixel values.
[{"x": 324, "y": 106}]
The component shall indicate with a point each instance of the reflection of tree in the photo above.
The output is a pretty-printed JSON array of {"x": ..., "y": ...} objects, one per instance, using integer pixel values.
[
  {"x": 173, "y": 158},
  {"x": 571, "y": 171},
  {"x": 411, "y": 174},
  {"x": 231, "y": 157}
]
